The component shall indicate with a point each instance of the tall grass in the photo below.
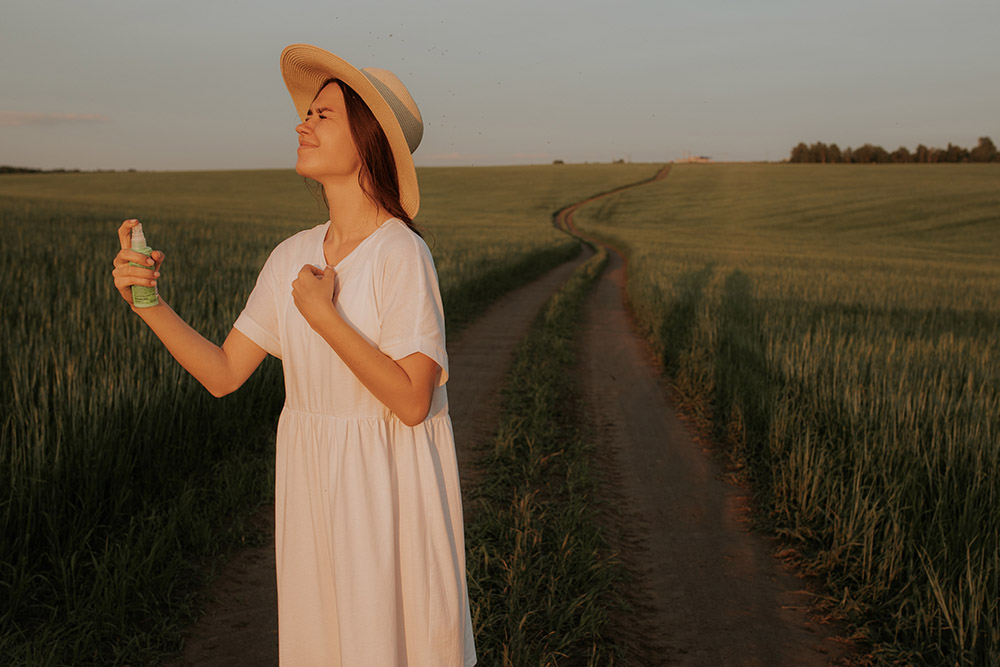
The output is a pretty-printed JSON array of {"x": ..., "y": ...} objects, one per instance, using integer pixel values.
[
  {"x": 119, "y": 472},
  {"x": 541, "y": 575},
  {"x": 837, "y": 327},
  {"x": 121, "y": 477}
]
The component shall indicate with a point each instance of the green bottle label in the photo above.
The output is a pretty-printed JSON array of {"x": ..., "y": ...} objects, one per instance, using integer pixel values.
[{"x": 143, "y": 296}]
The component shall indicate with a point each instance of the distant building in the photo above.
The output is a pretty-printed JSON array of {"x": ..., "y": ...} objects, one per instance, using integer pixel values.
[{"x": 695, "y": 159}]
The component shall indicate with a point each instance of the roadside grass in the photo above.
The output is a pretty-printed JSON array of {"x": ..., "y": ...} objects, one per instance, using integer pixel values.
[
  {"x": 123, "y": 482},
  {"x": 835, "y": 329},
  {"x": 542, "y": 578}
]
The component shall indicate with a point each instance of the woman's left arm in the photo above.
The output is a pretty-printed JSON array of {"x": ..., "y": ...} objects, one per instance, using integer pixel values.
[{"x": 405, "y": 386}]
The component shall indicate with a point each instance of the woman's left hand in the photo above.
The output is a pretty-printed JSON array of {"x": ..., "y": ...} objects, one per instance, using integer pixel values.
[{"x": 313, "y": 293}]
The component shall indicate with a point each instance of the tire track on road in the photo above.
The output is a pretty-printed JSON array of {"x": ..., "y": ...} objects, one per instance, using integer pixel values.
[{"x": 706, "y": 592}]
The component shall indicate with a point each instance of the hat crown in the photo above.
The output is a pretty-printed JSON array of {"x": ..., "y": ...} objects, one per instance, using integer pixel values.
[{"x": 400, "y": 102}]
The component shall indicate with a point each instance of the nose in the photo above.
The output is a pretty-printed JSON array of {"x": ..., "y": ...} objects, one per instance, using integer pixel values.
[{"x": 303, "y": 126}]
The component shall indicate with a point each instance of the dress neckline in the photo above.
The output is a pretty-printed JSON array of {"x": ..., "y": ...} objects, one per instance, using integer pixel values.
[{"x": 355, "y": 249}]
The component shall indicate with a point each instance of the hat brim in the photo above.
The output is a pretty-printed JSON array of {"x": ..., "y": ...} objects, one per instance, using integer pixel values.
[{"x": 305, "y": 68}]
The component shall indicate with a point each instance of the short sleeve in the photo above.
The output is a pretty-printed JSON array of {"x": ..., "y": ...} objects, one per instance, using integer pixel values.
[
  {"x": 259, "y": 319},
  {"x": 411, "y": 318}
]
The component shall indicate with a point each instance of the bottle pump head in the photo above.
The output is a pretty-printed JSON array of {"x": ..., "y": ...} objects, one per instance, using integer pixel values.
[{"x": 138, "y": 238}]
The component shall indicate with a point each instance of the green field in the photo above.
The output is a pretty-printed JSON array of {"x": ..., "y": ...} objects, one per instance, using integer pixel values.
[
  {"x": 123, "y": 480},
  {"x": 833, "y": 326},
  {"x": 836, "y": 329}
]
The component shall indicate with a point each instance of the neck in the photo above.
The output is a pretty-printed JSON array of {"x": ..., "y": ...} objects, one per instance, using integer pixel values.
[
  {"x": 352, "y": 213},
  {"x": 353, "y": 216}
]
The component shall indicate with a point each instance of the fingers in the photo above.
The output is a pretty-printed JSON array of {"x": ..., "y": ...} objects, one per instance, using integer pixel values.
[
  {"x": 310, "y": 270},
  {"x": 125, "y": 279},
  {"x": 125, "y": 233},
  {"x": 127, "y": 276},
  {"x": 134, "y": 275},
  {"x": 133, "y": 268},
  {"x": 126, "y": 255},
  {"x": 311, "y": 279}
]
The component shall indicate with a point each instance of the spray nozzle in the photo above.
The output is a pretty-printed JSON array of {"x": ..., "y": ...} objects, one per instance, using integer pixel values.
[{"x": 138, "y": 238}]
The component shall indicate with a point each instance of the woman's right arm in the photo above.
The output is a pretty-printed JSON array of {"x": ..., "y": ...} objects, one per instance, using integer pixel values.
[{"x": 221, "y": 370}]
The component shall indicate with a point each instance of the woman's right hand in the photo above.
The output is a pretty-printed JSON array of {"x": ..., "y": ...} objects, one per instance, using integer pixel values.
[{"x": 125, "y": 275}]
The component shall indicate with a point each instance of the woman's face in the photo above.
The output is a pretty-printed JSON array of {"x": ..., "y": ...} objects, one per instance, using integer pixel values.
[{"x": 326, "y": 148}]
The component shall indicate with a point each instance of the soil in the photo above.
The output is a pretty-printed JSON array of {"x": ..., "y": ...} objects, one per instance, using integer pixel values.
[{"x": 704, "y": 590}]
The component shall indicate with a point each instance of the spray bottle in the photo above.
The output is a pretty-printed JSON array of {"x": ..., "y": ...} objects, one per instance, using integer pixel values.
[{"x": 142, "y": 296}]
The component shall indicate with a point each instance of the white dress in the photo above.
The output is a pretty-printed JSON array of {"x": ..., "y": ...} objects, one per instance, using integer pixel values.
[{"x": 368, "y": 528}]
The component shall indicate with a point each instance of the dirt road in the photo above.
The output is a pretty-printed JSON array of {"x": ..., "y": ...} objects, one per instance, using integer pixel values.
[
  {"x": 710, "y": 592},
  {"x": 706, "y": 591}
]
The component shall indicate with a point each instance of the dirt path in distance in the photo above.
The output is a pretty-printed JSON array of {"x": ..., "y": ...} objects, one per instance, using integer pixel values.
[
  {"x": 239, "y": 624},
  {"x": 706, "y": 592}
]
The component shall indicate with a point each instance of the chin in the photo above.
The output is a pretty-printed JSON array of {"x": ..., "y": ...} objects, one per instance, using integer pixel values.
[{"x": 302, "y": 170}]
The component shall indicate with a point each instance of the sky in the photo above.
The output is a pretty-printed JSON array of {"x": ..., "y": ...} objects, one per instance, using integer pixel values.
[{"x": 195, "y": 84}]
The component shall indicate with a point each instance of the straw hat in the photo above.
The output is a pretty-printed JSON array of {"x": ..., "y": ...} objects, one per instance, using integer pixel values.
[{"x": 306, "y": 67}]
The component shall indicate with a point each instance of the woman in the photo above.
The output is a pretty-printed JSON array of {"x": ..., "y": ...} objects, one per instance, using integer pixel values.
[{"x": 368, "y": 531}]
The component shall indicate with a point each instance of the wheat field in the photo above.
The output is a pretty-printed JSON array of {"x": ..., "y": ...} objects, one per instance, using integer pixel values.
[
  {"x": 123, "y": 481},
  {"x": 835, "y": 327}
]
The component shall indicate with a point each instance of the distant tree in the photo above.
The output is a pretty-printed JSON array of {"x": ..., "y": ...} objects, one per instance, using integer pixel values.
[
  {"x": 817, "y": 153},
  {"x": 8, "y": 169},
  {"x": 870, "y": 154},
  {"x": 985, "y": 151},
  {"x": 864, "y": 154},
  {"x": 922, "y": 154},
  {"x": 956, "y": 154},
  {"x": 901, "y": 155},
  {"x": 833, "y": 152},
  {"x": 847, "y": 156},
  {"x": 800, "y": 153}
]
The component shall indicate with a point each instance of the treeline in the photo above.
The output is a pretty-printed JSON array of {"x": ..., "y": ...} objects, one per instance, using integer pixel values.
[
  {"x": 7, "y": 169},
  {"x": 819, "y": 152}
]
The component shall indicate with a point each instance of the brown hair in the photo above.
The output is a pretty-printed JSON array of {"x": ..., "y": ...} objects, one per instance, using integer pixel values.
[{"x": 378, "y": 177}]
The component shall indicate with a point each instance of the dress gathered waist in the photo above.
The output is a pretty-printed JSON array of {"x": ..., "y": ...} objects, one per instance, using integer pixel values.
[{"x": 356, "y": 418}]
